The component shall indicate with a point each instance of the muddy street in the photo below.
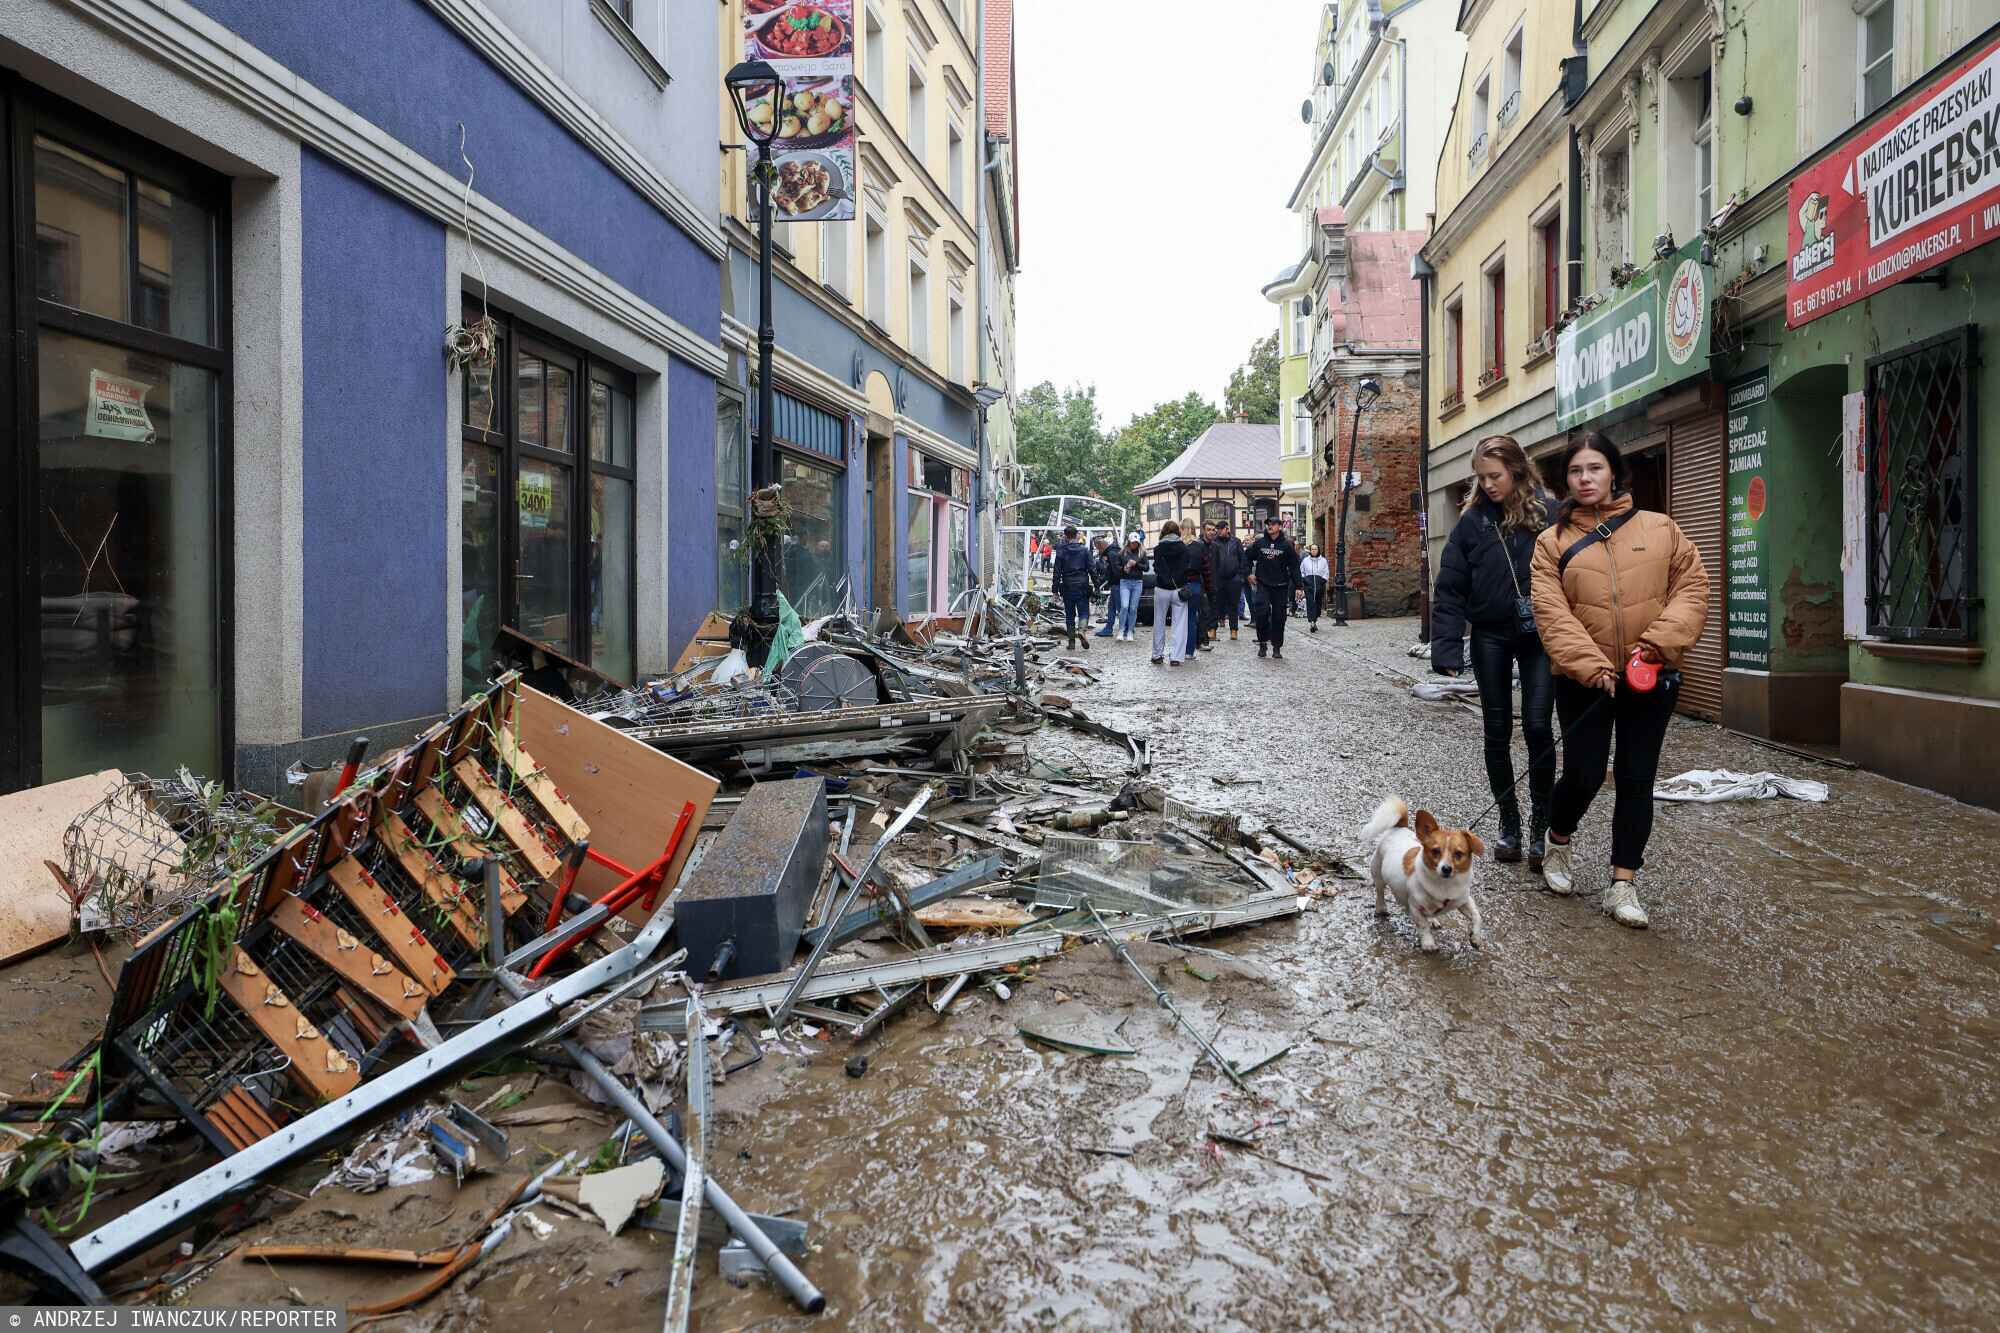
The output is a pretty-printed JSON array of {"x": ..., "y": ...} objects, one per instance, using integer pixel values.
[{"x": 1773, "y": 1107}]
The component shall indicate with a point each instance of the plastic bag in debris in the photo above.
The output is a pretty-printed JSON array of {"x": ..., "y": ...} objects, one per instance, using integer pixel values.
[
  {"x": 730, "y": 667},
  {"x": 1436, "y": 691},
  {"x": 1706, "y": 785},
  {"x": 381, "y": 1160},
  {"x": 790, "y": 636},
  {"x": 647, "y": 1061},
  {"x": 1419, "y": 650}
]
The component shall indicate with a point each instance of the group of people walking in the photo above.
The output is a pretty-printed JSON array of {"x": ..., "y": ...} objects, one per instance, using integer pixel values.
[
  {"x": 1199, "y": 582},
  {"x": 1593, "y": 602}
]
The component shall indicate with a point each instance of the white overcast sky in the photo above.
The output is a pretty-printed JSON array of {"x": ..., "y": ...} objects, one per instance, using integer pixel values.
[{"x": 1159, "y": 141}]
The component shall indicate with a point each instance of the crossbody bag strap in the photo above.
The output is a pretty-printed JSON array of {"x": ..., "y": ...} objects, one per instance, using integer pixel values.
[
  {"x": 1506, "y": 553},
  {"x": 1596, "y": 534}
]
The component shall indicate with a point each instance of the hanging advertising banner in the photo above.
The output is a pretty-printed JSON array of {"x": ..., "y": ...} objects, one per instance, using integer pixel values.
[
  {"x": 1916, "y": 187},
  {"x": 811, "y": 45},
  {"x": 1653, "y": 334},
  {"x": 117, "y": 409},
  {"x": 1748, "y": 595}
]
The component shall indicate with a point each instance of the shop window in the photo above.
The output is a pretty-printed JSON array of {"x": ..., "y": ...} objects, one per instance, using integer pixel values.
[
  {"x": 732, "y": 485},
  {"x": 547, "y": 504},
  {"x": 115, "y": 449},
  {"x": 814, "y": 554},
  {"x": 1923, "y": 500}
]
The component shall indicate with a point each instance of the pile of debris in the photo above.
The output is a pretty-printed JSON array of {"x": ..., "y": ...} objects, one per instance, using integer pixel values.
[{"x": 563, "y": 885}]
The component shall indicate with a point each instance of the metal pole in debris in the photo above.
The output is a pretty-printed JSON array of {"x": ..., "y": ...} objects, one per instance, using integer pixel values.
[
  {"x": 1166, "y": 1001},
  {"x": 846, "y": 904},
  {"x": 809, "y": 1298},
  {"x": 687, "y": 1236}
]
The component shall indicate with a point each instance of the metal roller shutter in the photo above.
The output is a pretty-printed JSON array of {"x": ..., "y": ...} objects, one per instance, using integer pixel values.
[{"x": 1694, "y": 482}]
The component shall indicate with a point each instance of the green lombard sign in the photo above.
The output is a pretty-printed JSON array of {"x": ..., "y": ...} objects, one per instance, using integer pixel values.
[{"x": 1653, "y": 335}]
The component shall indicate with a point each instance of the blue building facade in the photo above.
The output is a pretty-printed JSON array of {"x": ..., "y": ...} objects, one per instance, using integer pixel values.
[{"x": 262, "y": 511}]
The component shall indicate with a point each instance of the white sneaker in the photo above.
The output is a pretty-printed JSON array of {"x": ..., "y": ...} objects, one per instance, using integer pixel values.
[
  {"x": 1555, "y": 869},
  {"x": 1621, "y": 903}
]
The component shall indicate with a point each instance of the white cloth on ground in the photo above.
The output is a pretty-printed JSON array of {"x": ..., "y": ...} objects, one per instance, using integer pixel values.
[
  {"x": 1720, "y": 784},
  {"x": 1437, "y": 691}
]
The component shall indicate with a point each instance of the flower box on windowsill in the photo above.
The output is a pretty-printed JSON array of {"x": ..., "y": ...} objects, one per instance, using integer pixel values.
[
  {"x": 1451, "y": 404},
  {"x": 1539, "y": 349},
  {"x": 1490, "y": 379}
]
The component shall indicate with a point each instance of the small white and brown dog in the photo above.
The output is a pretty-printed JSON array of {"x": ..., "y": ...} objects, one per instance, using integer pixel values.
[{"x": 1427, "y": 866}]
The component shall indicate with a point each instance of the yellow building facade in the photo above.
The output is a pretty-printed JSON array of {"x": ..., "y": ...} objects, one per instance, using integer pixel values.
[{"x": 1500, "y": 252}]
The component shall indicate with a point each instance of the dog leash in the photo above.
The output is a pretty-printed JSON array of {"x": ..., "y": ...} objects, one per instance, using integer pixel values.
[{"x": 1554, "y": 748}]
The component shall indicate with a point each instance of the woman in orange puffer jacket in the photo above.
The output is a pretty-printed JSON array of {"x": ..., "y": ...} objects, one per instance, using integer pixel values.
[{"x": 1612, "y": 583}]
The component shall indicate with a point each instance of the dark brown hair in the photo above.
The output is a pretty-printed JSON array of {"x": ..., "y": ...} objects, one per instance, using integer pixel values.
[{"x": 1621, "y": 471}]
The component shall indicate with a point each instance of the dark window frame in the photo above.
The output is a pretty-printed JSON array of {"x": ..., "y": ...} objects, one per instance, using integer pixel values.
[
  {"x": 25, "y": 112},
  {"x": 1900, "y": 416},
  {"x": 521, "y": 335}
]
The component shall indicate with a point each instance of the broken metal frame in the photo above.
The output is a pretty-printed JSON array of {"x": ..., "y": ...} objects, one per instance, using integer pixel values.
[
  {"x": 176, "y": 1209},
  {"x": 858, "y": 923},
  {"x": 694, "y": 1171},
  {"x": 846, "y": 905},
  {"x": 1166, "y": 1002}
]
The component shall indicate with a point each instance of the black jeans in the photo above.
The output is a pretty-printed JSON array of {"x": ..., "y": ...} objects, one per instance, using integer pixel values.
[
  {"x": 1590, "y": 718},
  {"x": 1271, "y": 615},
  {"x": 1493, "y": 659},
  {"x": 1229, "y": 602},
  {"x": 1315, "y": 590}
]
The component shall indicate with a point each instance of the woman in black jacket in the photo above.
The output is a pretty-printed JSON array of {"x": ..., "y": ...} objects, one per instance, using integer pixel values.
[{"x": 1483, "y": 581}]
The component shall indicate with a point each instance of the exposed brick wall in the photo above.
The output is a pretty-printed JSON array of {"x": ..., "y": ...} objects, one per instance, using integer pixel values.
[{"x": 1384, "y": 549}]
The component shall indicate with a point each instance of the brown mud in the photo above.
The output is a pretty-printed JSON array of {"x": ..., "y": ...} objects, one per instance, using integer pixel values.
[{"x": 1774, "y": 1107}]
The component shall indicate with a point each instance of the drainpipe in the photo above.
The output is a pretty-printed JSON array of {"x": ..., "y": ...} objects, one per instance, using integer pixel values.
[
  {"x": 982, "y": 498},
  {"x": 1424, "y": 281}
]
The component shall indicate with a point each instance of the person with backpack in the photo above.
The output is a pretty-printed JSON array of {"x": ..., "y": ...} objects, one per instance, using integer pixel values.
[
  {"x": 1483, "y": 582},
  {"x": 1620, "y": 595},
  {"x": 1070, "y": 572},
  {"x": 1274, "y": 572}
]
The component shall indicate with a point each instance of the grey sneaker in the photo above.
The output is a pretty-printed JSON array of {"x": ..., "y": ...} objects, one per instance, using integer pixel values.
[
  {"x": 1556, "y": 869},
  {"x": 1621, "y": 904}
]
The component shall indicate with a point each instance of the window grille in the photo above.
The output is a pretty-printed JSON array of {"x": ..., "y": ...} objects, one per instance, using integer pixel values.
[{"x": 1923, "y": 498}]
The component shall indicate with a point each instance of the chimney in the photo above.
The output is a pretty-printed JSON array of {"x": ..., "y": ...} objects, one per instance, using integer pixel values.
[{"x": 1242, "y": 416}]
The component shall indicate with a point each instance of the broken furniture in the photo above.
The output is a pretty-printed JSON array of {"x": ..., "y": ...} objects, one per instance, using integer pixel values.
[{"x": 741, "y": 910}]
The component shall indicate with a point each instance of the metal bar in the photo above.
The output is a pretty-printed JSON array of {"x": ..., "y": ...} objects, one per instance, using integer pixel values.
[
  {"x": 901, "y": 822},
  {"x": 758, "y": 996},
  {"x": 891, "y": 1005},
  {"x": 1166, "y": 1002},
  {"x": 687, "y": 1236},
  {"x": 787, "y": 1233},
  {"x": 943, "y": 1002},
  {"x": 867, "y": 918},
  {"x": 180, "y": 1207},
  {"x": 808, "y": 1297}
]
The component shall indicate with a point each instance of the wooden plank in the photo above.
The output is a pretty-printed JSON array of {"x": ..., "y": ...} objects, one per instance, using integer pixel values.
[
  {"x": 628, "y": 792},
  {"x": 446, "y": 821},
  {"x": 448, "y": 894},
  {"x": 317, "y": 1064},
  {"x": 405, "y": 941},
  {"x": 348, "y": 1254},
  {"x": 973, "y": 914},
  {"x": 364, "y": 969},
  {"x": 33, "y": 912},
  {"x": 542, "y": 787},
  {"x": 507, "y": 817},
  {"x": 710, "y": 640}
]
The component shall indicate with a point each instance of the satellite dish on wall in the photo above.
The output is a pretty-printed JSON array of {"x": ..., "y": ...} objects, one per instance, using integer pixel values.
[
  {"x": 1306, "y": 304},
  {"x": 1326, "y": 74},
  {"x": 1306, "y": 111}
]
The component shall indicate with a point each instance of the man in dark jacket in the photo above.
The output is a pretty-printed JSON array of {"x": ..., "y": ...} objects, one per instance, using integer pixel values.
[
  {"x": 1229, "y": 574},
  {"x": 1201, "y": 559},
  {"x": 1104, "y": 578},
  {"x": 1274, "y": 572},
  {"x": 1071, "y": 573}
]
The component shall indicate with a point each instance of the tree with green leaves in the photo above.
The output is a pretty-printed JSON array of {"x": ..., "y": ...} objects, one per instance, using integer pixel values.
[{"x": 1253, "y": 386}]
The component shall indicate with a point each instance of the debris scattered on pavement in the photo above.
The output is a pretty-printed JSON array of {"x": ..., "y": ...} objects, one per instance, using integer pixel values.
[{"x": 1708, "y": 785}]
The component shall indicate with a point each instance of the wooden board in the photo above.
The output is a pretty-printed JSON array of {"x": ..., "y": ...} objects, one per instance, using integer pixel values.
[
  {"x": 405, "y": 941},
  {"x": 317, "y": 1064},
  {"x": 710, "y": 640},
  {"x": 973, "y": 914},
  {"x": 630, "y": 793},
  {"x": 33, "y": 912},
  {"x": 360, "y": 966},
  {"x": 542, "y": 787},
  {"x": 446, "y": 821},
  {"x": 448, "y": 894},
  {"x": 507, "y": 817}
]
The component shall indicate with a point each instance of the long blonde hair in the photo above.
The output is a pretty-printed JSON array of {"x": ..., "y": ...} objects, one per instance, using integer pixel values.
[{"x": 1523, "y": 509}]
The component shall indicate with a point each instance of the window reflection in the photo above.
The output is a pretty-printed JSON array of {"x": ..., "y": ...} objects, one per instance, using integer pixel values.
[
  {"x": 81, "y": 256},
  {"x": 812, "y": 545}
]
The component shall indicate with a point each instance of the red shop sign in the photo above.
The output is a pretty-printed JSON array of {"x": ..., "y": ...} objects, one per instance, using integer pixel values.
[{"x": 1916, "y": 187}]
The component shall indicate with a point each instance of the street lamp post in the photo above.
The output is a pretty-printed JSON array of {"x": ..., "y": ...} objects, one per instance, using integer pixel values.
[
  {"x": 748, "y": 83},
  {"x": 1365, "y": 395}
]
